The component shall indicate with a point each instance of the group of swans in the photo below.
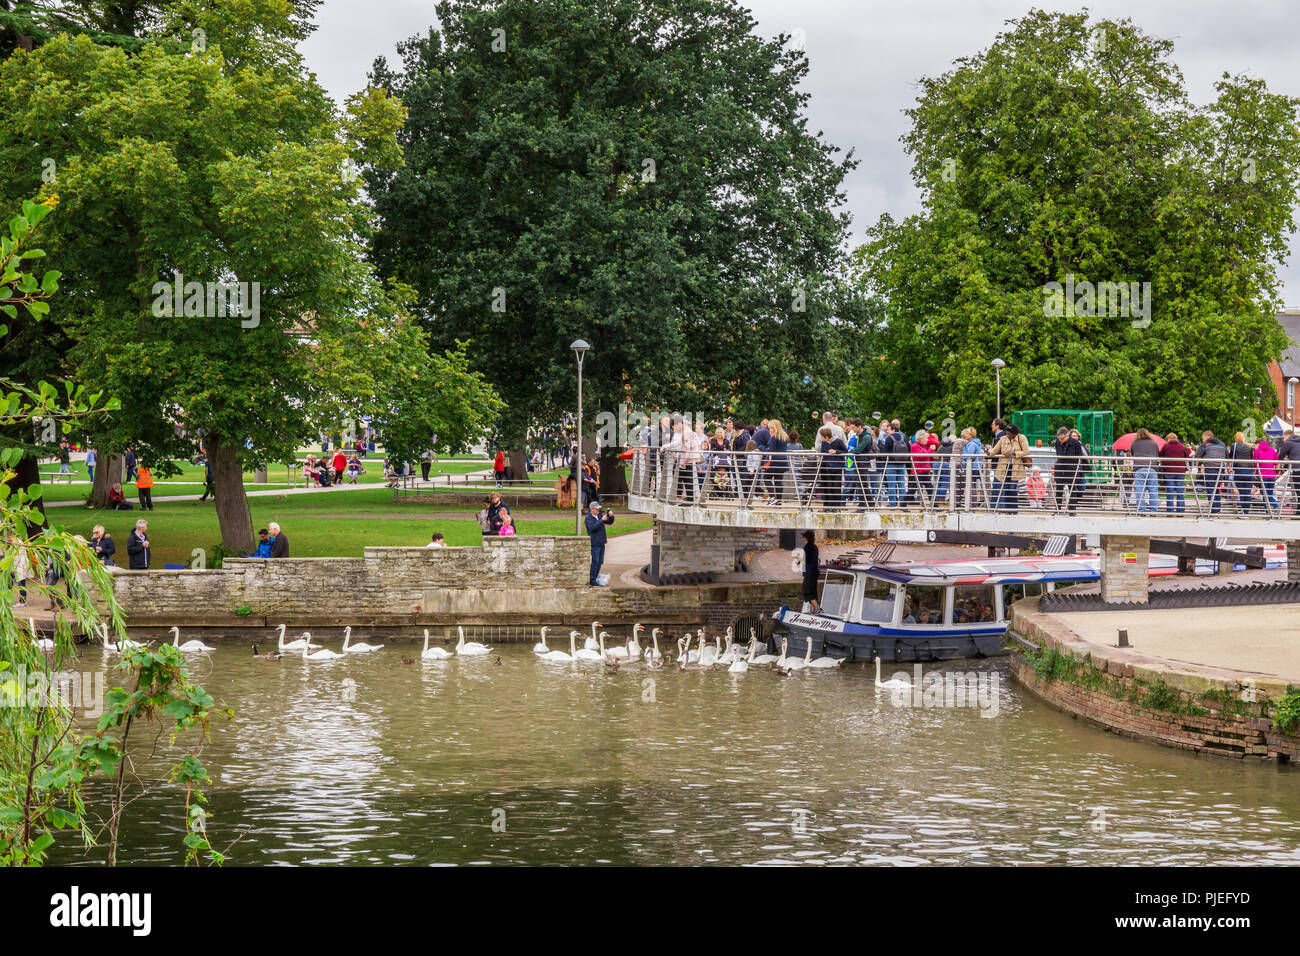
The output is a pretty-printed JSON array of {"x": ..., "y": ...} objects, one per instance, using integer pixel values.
[{"x": 594, "y": 650}]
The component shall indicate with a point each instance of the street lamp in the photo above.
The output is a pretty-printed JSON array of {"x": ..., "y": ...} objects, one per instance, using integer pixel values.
[
  {"x": 579, "y": 350},
  {"x": 1293, "y": 382},
  {"x": 998, "y": 365}
]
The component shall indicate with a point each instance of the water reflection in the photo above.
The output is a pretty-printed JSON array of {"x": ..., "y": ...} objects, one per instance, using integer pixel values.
[{"x": 469, "y": 761}]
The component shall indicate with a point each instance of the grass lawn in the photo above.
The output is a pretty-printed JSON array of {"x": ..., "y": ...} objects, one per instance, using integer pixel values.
[
  {"x": 190, "y": 480},
  {"x": 311, "y": 522}
]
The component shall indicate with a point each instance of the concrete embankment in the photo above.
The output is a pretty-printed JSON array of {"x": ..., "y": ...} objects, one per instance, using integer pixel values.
[
  {"x": 503, "y": 589},
  {"x": 1187, "y": 681}
]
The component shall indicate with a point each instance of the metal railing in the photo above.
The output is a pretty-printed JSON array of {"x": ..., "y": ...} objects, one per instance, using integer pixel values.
[{"x": 811, "y": 480}]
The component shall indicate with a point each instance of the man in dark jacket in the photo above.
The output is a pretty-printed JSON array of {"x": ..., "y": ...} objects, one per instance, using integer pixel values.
[
  {"x": 811, "y": 568},
  {"x": 279, "y": 541},
  {"x": 1213, "y": 453},
  {"x": 137, "y": 547},
  {"x": 1173, "y": 472},
  {"x": 596, "y": 521},
  {"x": 1288, "y": 455}
]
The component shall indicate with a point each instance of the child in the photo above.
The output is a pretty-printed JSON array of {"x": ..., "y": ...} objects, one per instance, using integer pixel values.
[{"x": 507, "y": 529}]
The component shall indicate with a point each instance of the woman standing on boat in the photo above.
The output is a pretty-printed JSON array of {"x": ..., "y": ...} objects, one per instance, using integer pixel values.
[{"x": 811, "y": 560}]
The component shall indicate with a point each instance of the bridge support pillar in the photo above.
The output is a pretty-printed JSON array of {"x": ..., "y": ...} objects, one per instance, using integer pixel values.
[
  {"x": 686, "y": 549},
  {"x": 1124, "y": 561},
  {"x": 1293, "y": 561}
]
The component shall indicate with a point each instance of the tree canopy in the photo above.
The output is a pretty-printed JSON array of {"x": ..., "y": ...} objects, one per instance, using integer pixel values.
[
  {"x": 636, "y": 174},
  {"x": 1068, "y": 151},
  {"x": 183, "y": 175}
]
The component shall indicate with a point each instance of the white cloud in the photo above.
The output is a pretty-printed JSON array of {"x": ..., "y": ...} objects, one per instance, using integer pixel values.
[{"x": 866, "y": 58}]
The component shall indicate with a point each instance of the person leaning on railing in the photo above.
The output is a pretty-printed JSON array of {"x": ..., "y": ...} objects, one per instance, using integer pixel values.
[
  {"x": 1145, "y": 453},
  {"x": 1213, "y": 454},
  {"x": 1173, "y": 473},
  {"x": 1010, "y": 454},
  {"x": 1068, "y": 470}
]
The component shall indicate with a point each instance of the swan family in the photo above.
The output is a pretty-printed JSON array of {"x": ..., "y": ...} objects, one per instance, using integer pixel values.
[{"x": 695, "y": 651}]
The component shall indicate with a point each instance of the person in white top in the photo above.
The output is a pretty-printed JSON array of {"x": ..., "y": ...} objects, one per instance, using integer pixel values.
[
  {"x": 828, "y": 421},
  {"x": 437, "y": 541}
]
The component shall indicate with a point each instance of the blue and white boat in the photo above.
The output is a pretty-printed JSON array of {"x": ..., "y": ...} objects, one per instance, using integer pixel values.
[
  {"x": 938, "y": 612},
  {"x": 923, "y": 612}
]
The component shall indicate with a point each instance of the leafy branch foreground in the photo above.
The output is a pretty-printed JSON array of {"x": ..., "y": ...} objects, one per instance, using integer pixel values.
[{"x": 45, "y": 756}]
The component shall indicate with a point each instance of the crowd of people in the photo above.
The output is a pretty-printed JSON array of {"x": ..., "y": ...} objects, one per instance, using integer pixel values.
[{"x": 885, "y": 465}]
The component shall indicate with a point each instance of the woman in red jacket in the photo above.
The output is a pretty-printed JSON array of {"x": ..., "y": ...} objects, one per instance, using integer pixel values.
[{"x": 499, "y": 468}]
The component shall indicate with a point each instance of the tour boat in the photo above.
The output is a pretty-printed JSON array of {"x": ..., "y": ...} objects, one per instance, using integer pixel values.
[{"x": 936, "y": 612}]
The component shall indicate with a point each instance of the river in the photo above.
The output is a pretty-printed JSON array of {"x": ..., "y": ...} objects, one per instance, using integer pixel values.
[{"x": 469, "y": 761}]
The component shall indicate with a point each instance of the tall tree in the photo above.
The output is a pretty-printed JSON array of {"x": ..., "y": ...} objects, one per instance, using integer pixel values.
[
  {"x": 1069, "y": 148},
  {"x": 636, "y": 173},
  {"x": 182, "y": 174}
]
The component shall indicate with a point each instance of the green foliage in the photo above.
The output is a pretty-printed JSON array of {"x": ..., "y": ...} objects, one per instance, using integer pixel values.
[
  {"x": 1070, "y": 147},
  {"x": 243, "y": 610},
  {"x": 1286, "y": 712},
  {"x": 636, "y": 173}
]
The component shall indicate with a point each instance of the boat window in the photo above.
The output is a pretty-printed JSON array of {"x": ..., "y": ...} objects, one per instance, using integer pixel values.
[
  {"x": 837, "y": 592},
  {"x": 878, "y": 601},
  {"x": 1014, "y": 592},
  {"x": 972, "y": 603},
  {"x": 923, "y": 604}
]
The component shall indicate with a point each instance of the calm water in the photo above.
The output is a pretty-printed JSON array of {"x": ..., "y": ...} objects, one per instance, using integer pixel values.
[{"x": 368, "y": 761}]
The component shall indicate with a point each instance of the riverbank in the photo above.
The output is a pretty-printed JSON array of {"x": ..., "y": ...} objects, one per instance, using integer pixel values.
[{"x": 1191, "y": 679}]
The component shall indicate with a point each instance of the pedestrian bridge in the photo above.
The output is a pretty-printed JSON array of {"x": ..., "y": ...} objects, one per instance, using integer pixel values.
[{"x": 1124, "y": 502}]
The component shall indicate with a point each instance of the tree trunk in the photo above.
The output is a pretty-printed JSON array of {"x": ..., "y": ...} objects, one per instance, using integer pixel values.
[
  {"x": 235, "y": 519},
  {"x": 517, "y": 461},
  {"x": 613, "y": 479},
  {"x": 106, "y": 476}
]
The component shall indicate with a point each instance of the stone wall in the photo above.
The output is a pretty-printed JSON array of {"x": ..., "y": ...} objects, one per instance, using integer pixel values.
[
  {"x": 702, "y": 548},
  {"x": 401, "y": 580},
  {"x": 1190, "y": 707},
  {"x": 1124, "y": 561},
  {"x": 1293, "y": 561}
]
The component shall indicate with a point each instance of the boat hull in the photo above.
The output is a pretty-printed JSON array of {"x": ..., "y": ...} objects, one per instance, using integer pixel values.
[{"x": 831, "y": 638}]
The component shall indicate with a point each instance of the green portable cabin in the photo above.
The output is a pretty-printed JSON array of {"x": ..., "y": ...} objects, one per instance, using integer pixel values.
[{"x": 1097, "y": 430}]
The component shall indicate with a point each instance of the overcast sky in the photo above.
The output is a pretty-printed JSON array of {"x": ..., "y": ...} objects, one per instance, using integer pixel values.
[{"x": 866, "y": 58}]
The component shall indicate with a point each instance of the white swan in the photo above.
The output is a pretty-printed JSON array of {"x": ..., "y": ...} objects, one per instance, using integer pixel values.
[
  {"x": 824, "y": 661},
  {"x": 295, "y": 645},
  {"x": 44, "y": 643},
  {"x": 189, "y": 647},
  {"x": 560, "y": 657},
  {"x": 634, "y": 645},
  {"x": 684, "y": 659},
  {"x": 433, "y": 653},
  {"x": 708, "y": 654},
  {"x": 592, "y": 644},
  {"x": 761, "y": 658},
  {"x": 742, "y": 666},
  {"x": 540, "y": 647},
  {"x": 731, "y": 651},
  {"x": 122, "y": 643},
  {"x": 583, "y": 653},
  {"x": 652, "y": 653},
  {"x": 322, "y": 655},
  {"x": 622, "y": 653},
  {"x": 790, "y": 663},
  {"x": 893, "y": 683},
  {"x": 350, "y": 648},
  {"x": 471, "y": 648}
]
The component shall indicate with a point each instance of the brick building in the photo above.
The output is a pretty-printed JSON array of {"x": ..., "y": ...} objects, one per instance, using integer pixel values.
[{"x": 1286, "y": 373}]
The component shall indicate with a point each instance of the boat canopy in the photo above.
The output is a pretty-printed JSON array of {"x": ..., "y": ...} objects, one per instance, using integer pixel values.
[{"x": 990, "y": 571}]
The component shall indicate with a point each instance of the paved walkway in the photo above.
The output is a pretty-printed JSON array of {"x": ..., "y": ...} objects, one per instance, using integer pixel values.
[{"x": 1263, "y": 640}]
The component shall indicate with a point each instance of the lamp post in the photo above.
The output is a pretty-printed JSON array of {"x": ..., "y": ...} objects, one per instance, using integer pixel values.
[
  {"x": 579, "y": 350},
  {"x": 998, "y": 365}
]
